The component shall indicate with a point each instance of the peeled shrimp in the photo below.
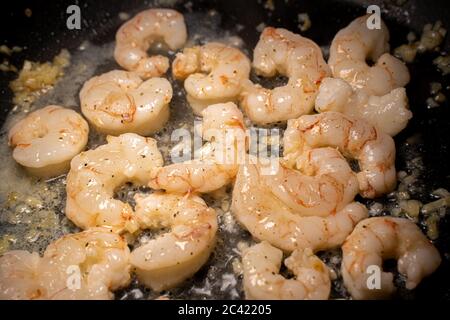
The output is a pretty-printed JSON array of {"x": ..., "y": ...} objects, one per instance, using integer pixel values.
[
  {"x": 355, "y": 138},
  {"x": 261, "y": 266},
  {"x": 85, "y": 265},
  {"x": 214, "y": 73},
  {"x": 376, "y": 239},
  {"x": 95, "y": 175},
  {"x": 321, "y": 183},
  {"x": 135, "y": 37},
  {"x": 289, "y": 54},
  {"x": 47, "y": 139},
  {"x": 268, "y": 218},
  {"x": 118, "y": 102},
  {"x": 389, "y": 113},
  {"x": 356, "y": 43},
  {"x": 173, "y": 257},
  {"x": 19, "y": 275},
  {"x": 219, "y": 163}
]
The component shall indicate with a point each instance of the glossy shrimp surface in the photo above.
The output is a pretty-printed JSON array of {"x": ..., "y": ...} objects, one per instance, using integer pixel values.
[
  {"x": 212, "y": 73},
  {"x": 95, "y": 175},
  {"x": 320, "y": 183},
  {"x": 268, "y": 218},
  {"x": 136, "y": 36},
  {"x": 86, "y": 265},
  {"x": 19, "y": 271},
  {"x": 47, "y": 139},
  {"x": 389, "y": 113},
  {"x": 355, "y": 138},
  {"x": 119, "y": 102},
  {"x": 262, "y": 281},
  {"x": 223, "y": 126},
  {"x": 380, "y": 238},
  {"x": 355, "y": 44},
  {"x": 174, "y": 256},
  {"x": 280, "y": 51}
]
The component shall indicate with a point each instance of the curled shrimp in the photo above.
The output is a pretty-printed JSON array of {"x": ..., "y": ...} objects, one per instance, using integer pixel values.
[
  {"x": 355, "y": 138},
  {"x": 171, "y": 258},
  {"x": 85, "y": 265},
  {"x": 262, "y": 281},
  {"x": 135, "y": 37},
  {"x": 96, "y": 174},
  {"x": 379, "y": 238},
  {"x": 356, "y": 43},
  {"x": 47, "y": 139},
  {"x": 268, "y": 218},
  {"x": 289, "y": 54},
  {"x": 321, "y": 183},
  {"x": 224, "y": 124},
  {"x": 389, "y": 113},
  {"x": 118, "y": 102},
  {"x": 212, "y": 73}
]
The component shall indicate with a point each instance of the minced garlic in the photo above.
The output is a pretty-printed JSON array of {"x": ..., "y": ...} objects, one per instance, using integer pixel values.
[{"x": 37, "y": 78}]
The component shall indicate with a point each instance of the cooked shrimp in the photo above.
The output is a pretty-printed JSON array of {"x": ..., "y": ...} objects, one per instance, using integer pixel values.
[
  {"x": 173, "y": 257},
  {"x": 118, "y": 102},
  {"x": 135, "y": 37},
  {"x": 86, "y": 265},
  {"x": 289, "y": 54},
  {"x": 214, "y": 73},
  {"x": 380, "y": 238},
  {"x": 219, "y": 164},
  {"x": 268, "y": 218},
  {"x": 355, "y": 138},
  {"x": 389, "y": 113},
  {"x": 101, "y": 256},
  {"x": 95, "y": 175},
  {"x": 262, "y": 281},
  {"x": 19, "y": 275},
  {"x": 356, "y": 43},
  {"x": 47, "y": 139},
  {"x": 322, "y": 184}
]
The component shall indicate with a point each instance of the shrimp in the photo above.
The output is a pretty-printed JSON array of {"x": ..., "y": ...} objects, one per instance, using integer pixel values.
[
  {"x": 171, "y": 258},
  {"x": 355, "y": 138},
  {"x": 118, "y": 102},
  {"x": 95, "y": 175},
  {"x": 102, "y": 258},
  {"x": 324, "y": 184},
  {"x": 220, "y": 158},
  {"x": 47, "y": 139},
  {"x": 19, "y": 275},
  {"x": 298, "y": 58},
  {"x": 135, "y": 37},
  {"x": 85, "y": 265},
  {"x": 376, "y": 239},
  {"x": 214, "y": 74},
  {"x": 356, "y": 43},
  {"x": 268, "y": 218},
  {"x": 389, "y": 113},
  {"x": 262, "y": 281}
]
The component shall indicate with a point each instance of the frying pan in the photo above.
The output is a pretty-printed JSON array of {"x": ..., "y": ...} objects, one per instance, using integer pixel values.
[{"x": 45, "y": 33}]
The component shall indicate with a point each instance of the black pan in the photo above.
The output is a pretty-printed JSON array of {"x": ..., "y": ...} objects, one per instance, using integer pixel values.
[{"x": 45, "y": 33}]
